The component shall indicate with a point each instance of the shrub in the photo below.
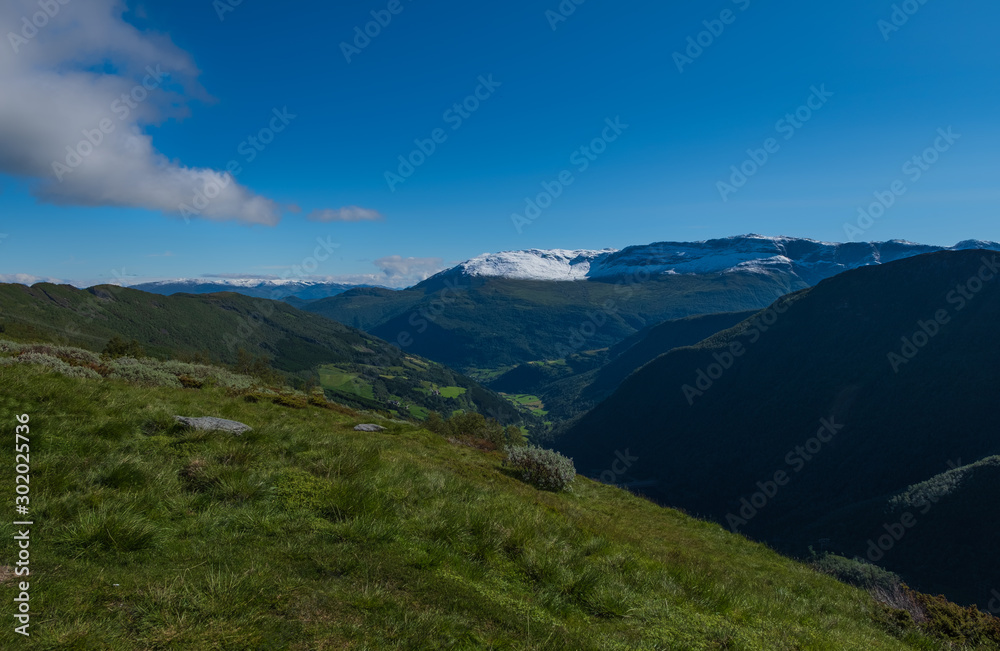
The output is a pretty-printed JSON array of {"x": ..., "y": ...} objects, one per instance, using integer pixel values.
[
  {"x": 189, "y": 382},
  {"x": 966, "y": 626},
  {"x": 544, "y": 469},
  {"x": 52, "y": 363},
  {"x": 292, "y": 401},
  {"x": 206, "y": 375},
  {"x": 72, "y": 356},
  {"x": 857, "y": 572},
  {"x": 884, "y": 586},
  {"x": 118, "y": 347},
  {"x": 75, "y": 356},
  {"x": 9, "y": 346},
  {"x": 137, "y": 372}
]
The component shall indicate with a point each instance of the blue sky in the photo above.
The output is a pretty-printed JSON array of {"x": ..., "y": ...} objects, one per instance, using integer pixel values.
[{"x": 887, "y": 92}]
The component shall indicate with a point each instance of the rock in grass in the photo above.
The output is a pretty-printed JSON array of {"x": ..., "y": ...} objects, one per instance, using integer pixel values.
[
  {"x": 214, "y": 424},
  {"x": 369, "y": 428}
]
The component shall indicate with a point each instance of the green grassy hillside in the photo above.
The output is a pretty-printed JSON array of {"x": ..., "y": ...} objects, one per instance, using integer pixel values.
[
  {"x": 353, "y": 366},
  {"x": 305, "y": 534},
  {"x": 477, "y": 323}
]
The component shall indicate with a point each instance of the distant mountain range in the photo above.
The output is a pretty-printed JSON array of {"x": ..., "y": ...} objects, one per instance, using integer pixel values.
[
  {"x": 857, "y": 416},
  {"x": 808, "y": 259},
  {"x": 504, "y": 309},
  {"x": 305, "y": 290}
]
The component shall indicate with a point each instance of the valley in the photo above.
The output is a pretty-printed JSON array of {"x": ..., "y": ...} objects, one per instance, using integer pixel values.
[
  {"x": 786, "y": 423},
  {"x": 504, "y": 326}
]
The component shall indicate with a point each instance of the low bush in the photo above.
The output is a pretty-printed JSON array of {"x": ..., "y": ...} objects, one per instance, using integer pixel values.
[
  {"x": 9, "y": 346},
  {"x": 292, "y": 401},
  {"x": 52, "y": 363},
  {"x": 858, "y": 572},
  {"x": 118, "y": 347},
  {"x": 139, "y": 372},
  {"x": 544, "y": 469}
]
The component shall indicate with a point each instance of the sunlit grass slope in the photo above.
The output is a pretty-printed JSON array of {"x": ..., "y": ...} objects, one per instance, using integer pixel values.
[{"x": 304, "y": 534}]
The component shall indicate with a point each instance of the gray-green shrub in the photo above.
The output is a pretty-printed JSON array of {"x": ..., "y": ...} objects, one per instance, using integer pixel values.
[{"x": 544, "y": 469}]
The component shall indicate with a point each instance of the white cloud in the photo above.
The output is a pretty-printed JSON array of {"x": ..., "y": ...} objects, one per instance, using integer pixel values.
[
  {"x": 417, "y": 269},
  {"x": 60, "y": 85},
  {"x": 347, "y": 214}
]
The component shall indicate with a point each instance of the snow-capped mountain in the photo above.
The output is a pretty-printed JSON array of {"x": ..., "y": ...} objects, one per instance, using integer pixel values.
[
  {"x": 810, "y": 260},
  {"x": 535, "y": 264},
  {"x": 276, "y": 289}
]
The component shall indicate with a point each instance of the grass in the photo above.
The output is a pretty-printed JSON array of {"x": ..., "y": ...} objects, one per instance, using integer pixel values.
[
  {"x": 217, "y": 328},
  {"x": 532, "y": 403},
  {"x": 452, "y": 392},
  {"x": 418, "y": 412},
  {"x": 335, "y": 379},
  {"x": 304, "y": 534}
]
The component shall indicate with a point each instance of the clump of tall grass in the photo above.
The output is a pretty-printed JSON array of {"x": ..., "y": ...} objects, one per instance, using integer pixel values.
[{"x": 109, "y": 529}]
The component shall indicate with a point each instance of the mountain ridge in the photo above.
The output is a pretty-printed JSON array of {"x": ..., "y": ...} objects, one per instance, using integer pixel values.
[
  {"x": 806, "y": 258},
  {"x": 272, "y": 288},
  {"x": 711, "y": 423}
]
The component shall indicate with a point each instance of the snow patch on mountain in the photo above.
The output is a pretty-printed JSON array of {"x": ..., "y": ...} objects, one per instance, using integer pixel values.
[
  {"x": 811, "y": 260},
  {"x": 535, "y": 264},
  {"x": 271, "y": 288}
]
